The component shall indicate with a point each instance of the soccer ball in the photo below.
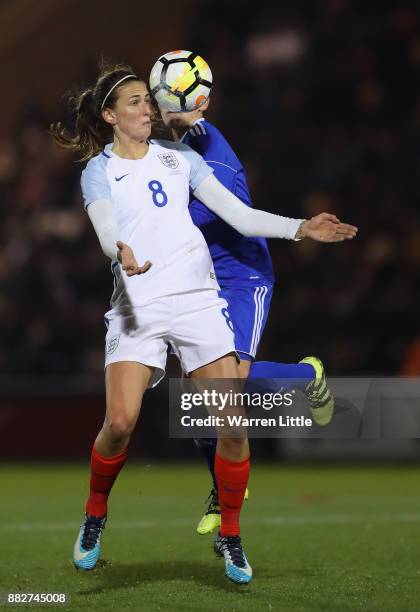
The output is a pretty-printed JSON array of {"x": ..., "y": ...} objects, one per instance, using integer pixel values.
[{"x": 180, "y": 81}]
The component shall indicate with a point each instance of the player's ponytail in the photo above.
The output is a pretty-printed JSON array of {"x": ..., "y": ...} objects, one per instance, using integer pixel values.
[{"x": 91, "y": 132}]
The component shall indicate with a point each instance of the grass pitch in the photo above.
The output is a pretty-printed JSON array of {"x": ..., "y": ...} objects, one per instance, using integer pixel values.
[{"x": 318, "y": 538}]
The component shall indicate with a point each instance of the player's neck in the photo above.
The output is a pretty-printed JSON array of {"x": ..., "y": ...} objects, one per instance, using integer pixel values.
[
  {"x": 130, "y": 149},
  {"x": 178, "y": 133},
  {"x": 179, "y": 129}
]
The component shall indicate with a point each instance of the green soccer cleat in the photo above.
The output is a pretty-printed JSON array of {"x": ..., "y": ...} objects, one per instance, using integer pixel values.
[
  {"x": 320, "y": 398},
  {"x": 212, "y": 519}
]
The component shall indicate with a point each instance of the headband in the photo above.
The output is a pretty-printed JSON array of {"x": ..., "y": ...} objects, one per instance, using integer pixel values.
[{"x": 127, "y": 76}]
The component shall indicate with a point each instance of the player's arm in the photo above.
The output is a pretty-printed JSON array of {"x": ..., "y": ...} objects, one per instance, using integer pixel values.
[
  {"x": 102, "y": 217},
  {"x": 96, "y": 194},
  {"x": 201, "y": 215},
  {"x": 246, "y": 220},
  {"x": 251, "y": 222},
  {"x": 104, "y": 223}
]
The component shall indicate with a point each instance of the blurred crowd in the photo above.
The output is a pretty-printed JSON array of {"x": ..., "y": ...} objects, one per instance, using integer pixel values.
[{"x": 321, "y": 102}]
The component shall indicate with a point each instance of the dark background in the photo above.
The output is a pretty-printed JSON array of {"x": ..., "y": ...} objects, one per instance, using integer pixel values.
[{"x": 321, "y": 102}]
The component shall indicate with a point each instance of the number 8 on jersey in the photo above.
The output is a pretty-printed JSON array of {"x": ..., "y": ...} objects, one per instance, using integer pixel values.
[{"x": 159, "y": 197}]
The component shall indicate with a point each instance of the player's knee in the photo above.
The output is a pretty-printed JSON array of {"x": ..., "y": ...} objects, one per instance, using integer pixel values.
[
  {"x": 119, "y": 427},
  {"x": 234, "y": 448}
]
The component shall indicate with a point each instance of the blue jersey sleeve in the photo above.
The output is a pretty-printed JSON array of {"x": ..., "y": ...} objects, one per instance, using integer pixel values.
[
  {"x": 94, "y": 182},
  {"x": 200, "y": 214},
  {"x": 207, "y": 140}
]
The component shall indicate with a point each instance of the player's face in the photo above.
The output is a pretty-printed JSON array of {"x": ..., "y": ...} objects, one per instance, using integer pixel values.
[{"x": 131, "y": 114}]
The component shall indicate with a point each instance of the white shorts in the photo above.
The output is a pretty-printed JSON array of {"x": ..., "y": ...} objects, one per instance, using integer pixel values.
[{"x": 192, "y": 322}]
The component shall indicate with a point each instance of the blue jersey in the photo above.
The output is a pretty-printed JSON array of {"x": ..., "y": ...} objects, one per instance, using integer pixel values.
[{"x": 237, "y": 260}]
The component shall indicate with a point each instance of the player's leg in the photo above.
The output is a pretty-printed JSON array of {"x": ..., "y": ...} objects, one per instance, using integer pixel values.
[
  {"x": 210, "y": 521},
  {"x": 231, "y": 467},
  {"x": 246, "y": 315},
  {"x": 308, "y": 375},
  {"x": 248, "y": 312},
  {"x": 292, "y": 375},
  {"x": 207, "y": 449},
  {"x": 135, "y": 358},
  {"x": 206, "y": 348},
  {"x": 125, "y": 382}
]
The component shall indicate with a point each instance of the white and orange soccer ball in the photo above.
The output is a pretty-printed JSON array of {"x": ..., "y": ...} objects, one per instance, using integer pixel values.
[{"x": 180, "y": 81}]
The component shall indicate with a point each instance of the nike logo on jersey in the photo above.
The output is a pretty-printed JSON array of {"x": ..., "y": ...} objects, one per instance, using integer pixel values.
[{"x": 119, "y": 178}]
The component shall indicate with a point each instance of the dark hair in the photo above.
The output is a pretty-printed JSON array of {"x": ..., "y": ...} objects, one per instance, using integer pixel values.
[{"x": 92, "y": 133}]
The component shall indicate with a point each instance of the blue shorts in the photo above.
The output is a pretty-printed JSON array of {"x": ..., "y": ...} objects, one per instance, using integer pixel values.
[{"x": 247, "y": 315}]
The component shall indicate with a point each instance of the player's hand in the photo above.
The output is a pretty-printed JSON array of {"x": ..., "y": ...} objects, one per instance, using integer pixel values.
[
  {"x": 128, "y": 261},
  {"x": 179, "y": 119},
  {"x": 326, "y": 228}
]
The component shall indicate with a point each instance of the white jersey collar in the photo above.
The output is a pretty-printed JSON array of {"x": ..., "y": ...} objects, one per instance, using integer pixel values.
[{"x": 108, "y": 152}]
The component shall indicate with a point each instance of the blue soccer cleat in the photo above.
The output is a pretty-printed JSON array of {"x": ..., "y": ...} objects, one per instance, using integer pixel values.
[
  {"x": 237, "y": 567},
  {"x": 88, "y": 544}
]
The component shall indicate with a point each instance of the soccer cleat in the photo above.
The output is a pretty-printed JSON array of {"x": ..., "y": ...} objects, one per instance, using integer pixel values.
[
  {"x": 320, "y": 398},
  {"x": 211, "y": 520},
  {"x": 88, "y": 544},
  {"x": 237, "y": 567}
]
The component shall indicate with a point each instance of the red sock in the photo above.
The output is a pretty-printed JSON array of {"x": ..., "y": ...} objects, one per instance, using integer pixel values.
[
  {"x": 232, "y": 478},
  {"x": 103, "y": 472}
]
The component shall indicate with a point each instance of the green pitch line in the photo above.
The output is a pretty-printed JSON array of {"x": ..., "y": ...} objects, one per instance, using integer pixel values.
[{"x": 318, "y": 538}]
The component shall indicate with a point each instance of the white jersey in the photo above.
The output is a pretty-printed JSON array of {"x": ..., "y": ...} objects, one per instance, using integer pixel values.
[{"x": 150, "y": 198}]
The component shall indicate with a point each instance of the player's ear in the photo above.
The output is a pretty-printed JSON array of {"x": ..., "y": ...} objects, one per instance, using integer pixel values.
[{"x": 108, "y": 116}]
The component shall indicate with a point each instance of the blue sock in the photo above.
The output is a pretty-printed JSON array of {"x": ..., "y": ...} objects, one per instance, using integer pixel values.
[
  {"x": 207, "y": 447},
  {"x": 291, "y": 375}
]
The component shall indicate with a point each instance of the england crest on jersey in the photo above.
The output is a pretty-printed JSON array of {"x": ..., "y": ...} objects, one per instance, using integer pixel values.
[
  {"x": 112, "y": 344},
  {"x": 169, "y": 160}
]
